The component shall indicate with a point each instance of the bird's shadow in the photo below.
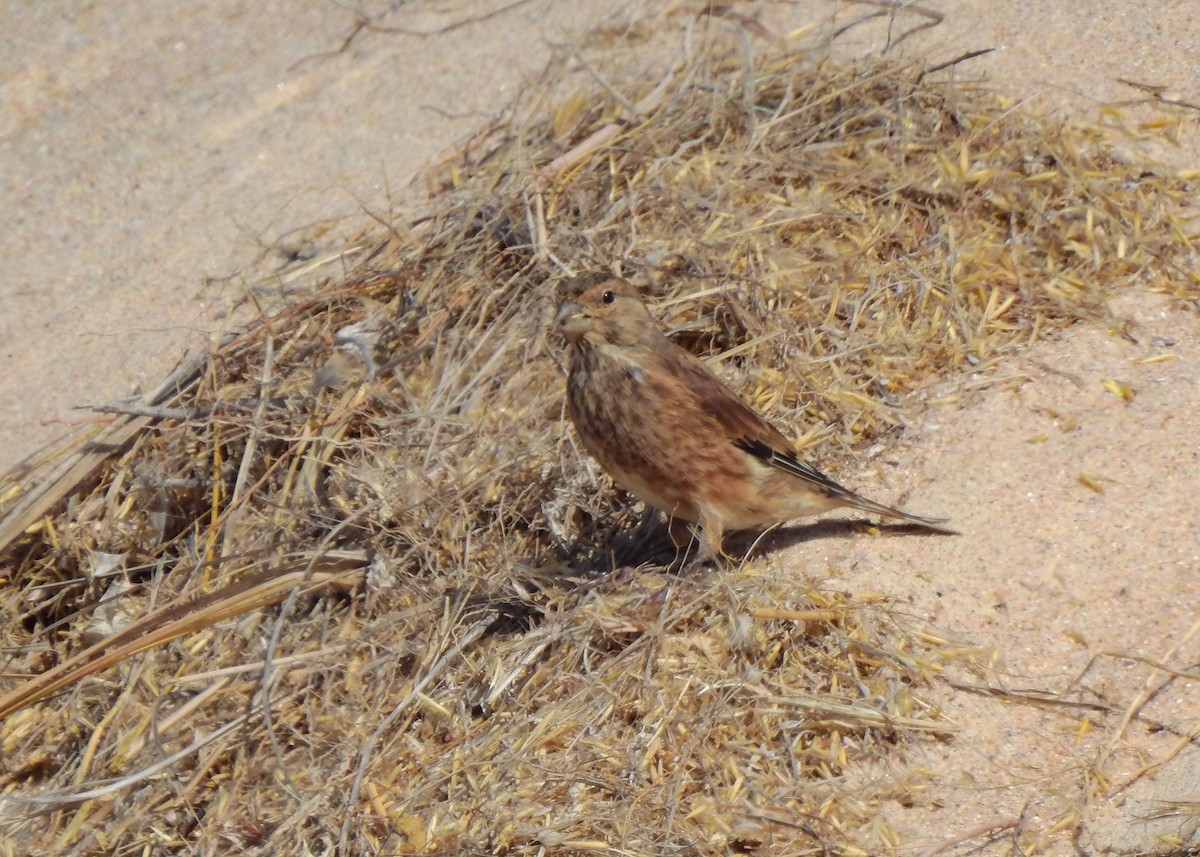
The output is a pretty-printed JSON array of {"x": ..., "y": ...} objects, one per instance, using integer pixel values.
[
  {"x": 599, "y": 554},
  {"x": 751, "y": 545},
  {"x": 649, "y": 544}
]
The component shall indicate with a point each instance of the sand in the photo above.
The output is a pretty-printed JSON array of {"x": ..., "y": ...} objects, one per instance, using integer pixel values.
[{"x": 155, "y": 161}]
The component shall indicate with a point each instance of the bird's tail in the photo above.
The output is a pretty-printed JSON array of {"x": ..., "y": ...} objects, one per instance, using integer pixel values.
[
  {"x": 854, "y": 501},
  {"x": 838, "y": 495}
]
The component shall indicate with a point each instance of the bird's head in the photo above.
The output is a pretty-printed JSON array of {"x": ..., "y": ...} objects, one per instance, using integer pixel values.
[{"x": 600, "y": 308}]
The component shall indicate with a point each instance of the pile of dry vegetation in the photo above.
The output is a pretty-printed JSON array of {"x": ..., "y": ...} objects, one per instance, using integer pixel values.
[{"x": 346, "y": 583}]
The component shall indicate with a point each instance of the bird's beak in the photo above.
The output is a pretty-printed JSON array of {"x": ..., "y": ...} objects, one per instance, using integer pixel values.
[{"x": 570, "y": 320}]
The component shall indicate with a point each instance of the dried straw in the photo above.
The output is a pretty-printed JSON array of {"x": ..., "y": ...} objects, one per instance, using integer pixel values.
[{"x": 186, "y": 666}]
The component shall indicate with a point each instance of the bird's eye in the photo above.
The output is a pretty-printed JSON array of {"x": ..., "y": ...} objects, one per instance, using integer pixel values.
[{"x": 609, "y": 296}]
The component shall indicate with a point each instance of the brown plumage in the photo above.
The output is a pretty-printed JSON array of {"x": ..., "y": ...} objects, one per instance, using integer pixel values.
[{"x": 672, "y": 434}]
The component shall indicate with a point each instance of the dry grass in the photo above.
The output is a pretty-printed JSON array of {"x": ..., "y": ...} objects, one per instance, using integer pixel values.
[{"x": 346, "y": 584}]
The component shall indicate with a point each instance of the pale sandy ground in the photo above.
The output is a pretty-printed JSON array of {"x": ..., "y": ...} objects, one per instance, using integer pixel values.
[
  {"x": 152, "y": 160},
  {"x": 1069, "y": 586}
]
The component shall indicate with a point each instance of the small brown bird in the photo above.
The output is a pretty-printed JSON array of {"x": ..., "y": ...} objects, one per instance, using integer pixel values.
[{"x": 672, "y": 434}]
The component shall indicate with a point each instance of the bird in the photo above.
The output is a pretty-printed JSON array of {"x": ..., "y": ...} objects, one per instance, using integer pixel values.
[{"x": 672, "y": 434}]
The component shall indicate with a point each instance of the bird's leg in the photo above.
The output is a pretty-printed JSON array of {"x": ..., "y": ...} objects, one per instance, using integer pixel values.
[
  {"x": 707, "y": 535},
  {"x": 683, "y": 536},
  {"x": 712, "y": 533},
  {"x": 680, "y": 532}
]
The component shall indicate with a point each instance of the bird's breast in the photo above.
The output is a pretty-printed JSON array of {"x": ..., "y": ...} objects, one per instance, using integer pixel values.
[{"x": 619, "y": 415}]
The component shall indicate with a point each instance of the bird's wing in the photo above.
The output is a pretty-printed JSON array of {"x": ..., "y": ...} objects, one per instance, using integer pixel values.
[
  {"x": 753, "y": 434},
  {"x": 744, "y": 428}
]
